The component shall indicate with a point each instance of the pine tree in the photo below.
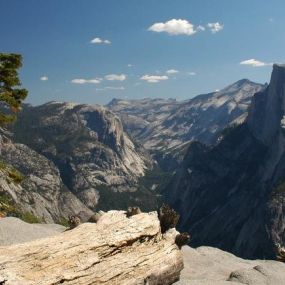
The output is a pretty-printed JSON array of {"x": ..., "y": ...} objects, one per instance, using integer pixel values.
[{"x": 11, "y": 96}]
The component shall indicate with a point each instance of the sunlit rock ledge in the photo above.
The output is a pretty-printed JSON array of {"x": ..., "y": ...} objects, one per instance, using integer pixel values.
[{"x": 115, "y": 250}]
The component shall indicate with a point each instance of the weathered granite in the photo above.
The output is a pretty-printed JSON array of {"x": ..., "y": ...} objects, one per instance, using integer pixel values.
[{"x": 115, "y": 250}]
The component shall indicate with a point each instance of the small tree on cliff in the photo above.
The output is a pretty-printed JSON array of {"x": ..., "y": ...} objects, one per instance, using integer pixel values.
[{"x": 11, "y": 96}]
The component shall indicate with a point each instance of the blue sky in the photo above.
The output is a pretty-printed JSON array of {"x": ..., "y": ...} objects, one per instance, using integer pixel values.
[{"x": 136, "y": 42}]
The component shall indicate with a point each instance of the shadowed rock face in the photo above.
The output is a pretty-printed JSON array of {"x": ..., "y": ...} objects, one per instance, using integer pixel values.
[
  {"x": 232, "y": 195},
  {"x": 268, "y": 110}
]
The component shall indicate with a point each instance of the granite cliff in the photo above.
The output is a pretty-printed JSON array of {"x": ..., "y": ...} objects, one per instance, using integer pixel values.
[
  {"x": 232, "y": 195},
  {"x": 73, "y": 158}
]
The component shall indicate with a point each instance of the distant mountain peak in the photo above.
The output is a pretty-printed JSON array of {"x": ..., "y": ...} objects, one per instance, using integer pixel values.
[
  {"x": 279, "y": 65},
  {"x": 114, "y": 101},
  {"x": 240, "y": 84},
  {"x": 244, "y": 81}
]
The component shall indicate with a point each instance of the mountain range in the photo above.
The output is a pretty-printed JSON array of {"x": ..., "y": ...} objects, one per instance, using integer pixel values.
[
  {"x": 165, "y": 127},
  {"x": 197, "y": 154},
  {"x": 165, "y": 124}
]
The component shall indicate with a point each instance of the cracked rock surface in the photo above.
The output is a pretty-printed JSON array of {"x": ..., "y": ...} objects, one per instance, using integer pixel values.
[{"x": 116, "y": 250}]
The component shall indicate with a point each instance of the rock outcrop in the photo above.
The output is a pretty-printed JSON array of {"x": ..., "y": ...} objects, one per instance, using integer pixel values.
[
  {"x": 232, "y": 195},
  {"x": 115, "y": 250},
  {"x": 41, "y": 191}
]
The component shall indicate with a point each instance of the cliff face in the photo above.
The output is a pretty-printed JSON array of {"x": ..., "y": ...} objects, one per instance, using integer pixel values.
[
  {"x": 41, "y": 190},
  {"x": 268, "y": 109},
  {"x": 74, "y": 158},
  {"x": 86, "y": 142},
  {"x": 232, "y": 195}
]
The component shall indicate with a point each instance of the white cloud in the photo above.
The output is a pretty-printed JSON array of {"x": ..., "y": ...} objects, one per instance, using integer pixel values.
[
  {"x": 44, "y": 78},
  {"x": 115, "y": 88},
  {"x": 192, "y": 73},
  {"x": 86, "y": 81},
  {"x": 255, "y": 63},
  {"x": 129, "y": 65},
  {"x": 119, "y": 88},
  {"x": 97, "y": 80},
  {"x": 100, "y": 41},
  {"x": 172, "y": 71},
  {"x": 215, "y": 27},
  {"x": 154, "y": 78},
  {"x": 174, "y": 27},
  {"x": 183, "y": 27},
  {"x": 116, "y": 77}
]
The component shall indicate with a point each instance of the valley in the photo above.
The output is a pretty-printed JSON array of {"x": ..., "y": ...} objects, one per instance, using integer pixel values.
[
  {"x": 142, "y": 142},
  {"x": 79, "y": 158}
]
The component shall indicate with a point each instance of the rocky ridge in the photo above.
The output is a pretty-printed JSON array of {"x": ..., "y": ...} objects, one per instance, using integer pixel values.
[{"x": 168, "y": 124}]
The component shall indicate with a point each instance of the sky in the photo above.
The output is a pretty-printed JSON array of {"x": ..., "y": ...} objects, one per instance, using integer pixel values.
[{"x": 90, "y": 51}]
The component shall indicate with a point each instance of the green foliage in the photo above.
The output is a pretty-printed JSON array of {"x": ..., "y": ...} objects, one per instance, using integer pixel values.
[
  {"x": 228, "y": 130},
  {"x": 16, "y": 176},
  {"x": 279, "y": 189},
  {"x": 110, "y": 200},
  {"x": 6, "y": 203},
  {"x": 29, "y": 218},
  {"x": 9, "y": 208},
  {"x": 168, "y": 218},
  {"x": 10, "y": 94},
  {"x": 13, "y": 175},
  {"x": 3, "y": 165},
  {"x": 63, "y": 222},
  {"x": 145, "y": 197}
]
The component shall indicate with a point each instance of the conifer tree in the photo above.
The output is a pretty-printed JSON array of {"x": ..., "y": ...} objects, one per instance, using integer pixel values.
[{"x": 11, "y": 95}]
